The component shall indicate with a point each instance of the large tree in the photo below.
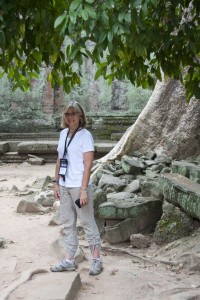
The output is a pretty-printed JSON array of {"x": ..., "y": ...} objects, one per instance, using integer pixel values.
[
  {"x": 142, "y": 40},
  {"x": 168, "y": 124},
  {"x": 136, "y": 39}
]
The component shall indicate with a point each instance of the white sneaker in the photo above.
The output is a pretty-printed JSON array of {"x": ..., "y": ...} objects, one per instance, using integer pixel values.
[
  {"x": 64, "y": 266},
  {"x": 97, "y": 266}
]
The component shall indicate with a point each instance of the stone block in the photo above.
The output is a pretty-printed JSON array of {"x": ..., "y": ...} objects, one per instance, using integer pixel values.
[
  {"x": 187, "y": 169},
  {"x": 140, "y": 208},
  {"x": 104, "y": 147},
  {"x": 112, "y": 182},
  {"x": 59, "y": 286},
  {"x": 132, "y": 165},
  {"x": 151, "y": 188},
  {"x": 134, "y": 215},
  {"x": 4, "y": 147},
  {"x": 120, "y": 232},
  {"x": 37, "y": 147},
  {"x": 182, "y": 192}
]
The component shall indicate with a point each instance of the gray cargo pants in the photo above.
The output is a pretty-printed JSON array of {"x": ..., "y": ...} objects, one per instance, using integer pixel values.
[{"x": 69, "y": 212}]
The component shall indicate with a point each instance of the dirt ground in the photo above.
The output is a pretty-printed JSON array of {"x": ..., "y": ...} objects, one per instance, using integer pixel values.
[{"x": 129, "y": 274}]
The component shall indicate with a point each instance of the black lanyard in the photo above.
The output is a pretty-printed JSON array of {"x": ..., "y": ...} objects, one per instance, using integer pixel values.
[{"x": 67, "y": 145}]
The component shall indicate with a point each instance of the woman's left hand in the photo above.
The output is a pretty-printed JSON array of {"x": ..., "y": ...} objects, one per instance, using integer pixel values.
[{"x": 83, "y": 197}]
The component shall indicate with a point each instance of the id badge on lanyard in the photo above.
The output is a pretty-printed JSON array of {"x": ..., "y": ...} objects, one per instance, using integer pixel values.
[{"x": 63, "y": 166}]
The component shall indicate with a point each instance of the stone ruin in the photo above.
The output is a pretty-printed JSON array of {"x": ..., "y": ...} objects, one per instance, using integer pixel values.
[{"x": 17, "y": 147}]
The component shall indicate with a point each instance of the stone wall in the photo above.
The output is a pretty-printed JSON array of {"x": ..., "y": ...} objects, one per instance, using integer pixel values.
[
  {"x": 110, "y": 127},
  {"x": 101, "y": 127}
]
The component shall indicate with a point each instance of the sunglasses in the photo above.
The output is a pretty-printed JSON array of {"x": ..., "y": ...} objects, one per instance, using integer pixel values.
[{"x": 70, "y": 114}]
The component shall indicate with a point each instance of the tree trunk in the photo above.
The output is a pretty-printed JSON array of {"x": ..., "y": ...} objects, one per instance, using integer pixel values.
[{"x": 167, "y": 125}]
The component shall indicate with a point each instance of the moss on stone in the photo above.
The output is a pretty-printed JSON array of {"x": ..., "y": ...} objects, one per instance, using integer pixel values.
[{"x": 173, "y": 225}]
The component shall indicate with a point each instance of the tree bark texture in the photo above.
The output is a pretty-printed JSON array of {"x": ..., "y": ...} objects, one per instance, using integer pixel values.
[{"x": 167, "y": 125}]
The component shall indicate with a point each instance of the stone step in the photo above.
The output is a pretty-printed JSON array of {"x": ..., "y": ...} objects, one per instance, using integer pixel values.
[
  {"x": 47, "y": 150},
  {"x": 15, "y": 157},
  {"x": 46, "y": 286}
]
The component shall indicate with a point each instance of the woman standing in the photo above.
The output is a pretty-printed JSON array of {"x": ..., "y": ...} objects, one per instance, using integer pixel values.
[{"x": 72, "y": 185}]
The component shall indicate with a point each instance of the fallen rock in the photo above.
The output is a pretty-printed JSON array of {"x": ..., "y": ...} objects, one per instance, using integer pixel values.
[
  {"x": 36, "y": 161},
  {"x": 57, "y": 249},
  {"x": 174, "y": 224},
  {"x": 55, "y": 220},
  {"x": 112, "y": 182},
  {"x": 134, "y": 215},
  {"x": 30, "y": 206},
  {"x": 139, "y": 241},
  {"x": 141, "y": 208}
]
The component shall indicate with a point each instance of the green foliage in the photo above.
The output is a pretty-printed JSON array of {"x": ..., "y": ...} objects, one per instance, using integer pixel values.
[
  {"x": 137, "y": 98},
  {"x": 142, "y": 39},
  {"x": 97, "y": 95}
]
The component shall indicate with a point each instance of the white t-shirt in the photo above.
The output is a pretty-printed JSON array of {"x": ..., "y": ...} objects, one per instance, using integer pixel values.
[{"x": 82, "y": 142}]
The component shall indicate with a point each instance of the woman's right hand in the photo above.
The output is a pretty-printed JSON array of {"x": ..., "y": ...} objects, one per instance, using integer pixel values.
[{"x": 56, "y": 191}]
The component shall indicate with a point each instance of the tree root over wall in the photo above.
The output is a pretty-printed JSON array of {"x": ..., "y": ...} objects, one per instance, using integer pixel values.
[{"x": 27, "y": 275}]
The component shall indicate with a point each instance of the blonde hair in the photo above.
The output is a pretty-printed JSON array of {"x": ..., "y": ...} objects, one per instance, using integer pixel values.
[{"x": 77, "y": 108}]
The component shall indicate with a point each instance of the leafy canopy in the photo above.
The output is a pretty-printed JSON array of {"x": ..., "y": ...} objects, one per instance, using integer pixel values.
[{"x": 137, "y": 39}]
